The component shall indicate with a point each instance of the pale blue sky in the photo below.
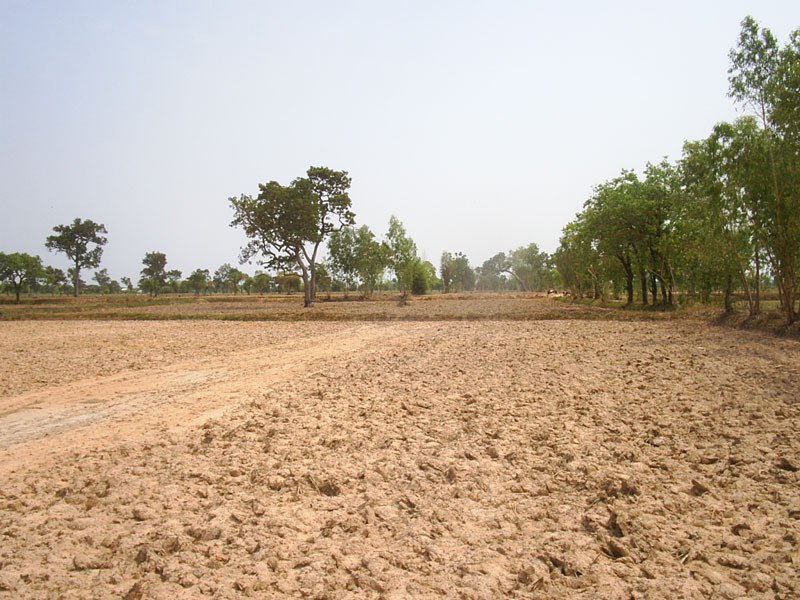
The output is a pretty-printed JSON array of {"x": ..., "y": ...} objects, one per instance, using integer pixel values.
[{"x": 482, "y": 125}]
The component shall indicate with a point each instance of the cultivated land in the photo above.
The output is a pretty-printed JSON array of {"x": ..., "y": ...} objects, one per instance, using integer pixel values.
[{"x": 377, "y": 453}]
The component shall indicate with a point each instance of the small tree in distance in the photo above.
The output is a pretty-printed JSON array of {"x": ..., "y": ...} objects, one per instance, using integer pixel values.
[
  {"x": 198, "y": 281},
  {"x": 74, "y": 240},
  {"x": 155, "y": 270},
  {"x": 19, "y": 269}
]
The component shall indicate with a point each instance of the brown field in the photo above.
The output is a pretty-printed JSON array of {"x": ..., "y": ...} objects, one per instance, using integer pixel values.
[
  {"x": 377, "y": 451},
  {"x": 332, "y": 307}
]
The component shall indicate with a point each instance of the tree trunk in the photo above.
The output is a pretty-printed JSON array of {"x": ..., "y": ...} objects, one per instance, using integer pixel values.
[
  {"x": 521, "y": 283},
  {"x": 654, "y": 288},
  {"x": 643, "y": 279},
  {"x": 756, "y": 309},
  {"x": 76, "y": 279},
  {"x": 308, "y": 297},
  {"x": 728, "y": 289},
  {"x": 626, "y": 264}
]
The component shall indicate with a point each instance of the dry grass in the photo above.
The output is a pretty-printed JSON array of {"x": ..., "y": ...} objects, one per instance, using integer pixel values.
[{"x": 334, "y": 307}]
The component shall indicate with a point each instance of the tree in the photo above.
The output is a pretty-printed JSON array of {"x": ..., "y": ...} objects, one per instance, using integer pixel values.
[
  {"x": 289, "y": 282},
  {"x": 222, "y": 277},
  {"x": 420, "y": 278},
  {"x": 19, "y": 269},
  {"x": 261, "y": 282},
  {"x": 103, "y": 280},
  {"x": 342, "y": 249},
  {"x": 463, "y": 274},
  {"x": 235, "y": 277},
  {"x": 446, "y": 271},
  {"x": 198, "y": 281},
  {"x": 173, "y": 278},
  {"x": 55, "y": 278},
  {"x": 402, "y": 255},
  {"x": 73, "y": 277},
  {"x": 155, "y": 270},
  {"x": 126, "y": 281},
  {"x": 287, "y": 224},
  {"x": 323, "y": 278},
  {"x": 764, "y": 77},
  {"x": 247, "y": 284},
  {"x": 74, "y": 241},
  {"x": 526, "y": 264},
  {"x": 357, "y": 258},
  {"x": 456, "y": 272}
]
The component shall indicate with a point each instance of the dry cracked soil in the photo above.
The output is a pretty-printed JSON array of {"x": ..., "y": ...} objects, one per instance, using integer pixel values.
[{"x": 452, "y": 459}]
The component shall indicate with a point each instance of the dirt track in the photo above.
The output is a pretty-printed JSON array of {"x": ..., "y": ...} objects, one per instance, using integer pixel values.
[{"x": 554, "y": 459}]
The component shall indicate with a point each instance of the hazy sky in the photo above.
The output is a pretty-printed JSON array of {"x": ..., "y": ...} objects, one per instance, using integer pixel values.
[{"x": 482, "y": 125}]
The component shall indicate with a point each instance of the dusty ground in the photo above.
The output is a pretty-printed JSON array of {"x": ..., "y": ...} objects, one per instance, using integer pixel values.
[
  {"x": 490, "y": 459},
  {"x": 280, "y": 307}
]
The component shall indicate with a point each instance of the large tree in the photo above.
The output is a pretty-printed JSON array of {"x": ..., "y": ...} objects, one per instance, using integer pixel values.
[
  {"x": 75, "y": 241},
  {"x": 287, "y": 224},
  {"x": 19, "y": 269},
  {"x": 155, "y": 270}
]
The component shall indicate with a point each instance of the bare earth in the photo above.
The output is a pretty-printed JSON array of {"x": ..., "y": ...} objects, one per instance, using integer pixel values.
[{"x": 454, "y": 459}]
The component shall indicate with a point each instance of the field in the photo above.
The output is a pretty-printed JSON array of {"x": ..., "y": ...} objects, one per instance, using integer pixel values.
[{"x": 472, "y": 447}]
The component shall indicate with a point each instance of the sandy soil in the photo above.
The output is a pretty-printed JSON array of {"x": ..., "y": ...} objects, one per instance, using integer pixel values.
[{"x": 491, "y": 459}]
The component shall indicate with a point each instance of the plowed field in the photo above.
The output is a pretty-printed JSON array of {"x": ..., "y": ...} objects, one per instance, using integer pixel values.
[{"x": 399, "y": 459}]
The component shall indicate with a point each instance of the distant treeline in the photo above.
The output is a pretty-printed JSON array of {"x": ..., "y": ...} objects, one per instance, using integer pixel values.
[{"x": 725, "y": 218}]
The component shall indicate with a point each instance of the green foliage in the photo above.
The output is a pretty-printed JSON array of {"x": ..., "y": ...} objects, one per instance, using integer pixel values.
[
  {"x": 765, "y": 78},
  {"x": 198, "y": 281},
  {"x": 526, "y": 264},
  {"x": 323, "y": 278},
  {"x": 419, "y": 278},
  {"x": 287, "y": 224},
  {"x": 155, "y": 271},
  {"x": 75, "y": 241},
  {"x": 103, "y": 280},
  {"x": 357, "y": 258},
  {"x": 222, "y": 278},
  {"x": 727, "y": 212},
  {"x": 456, "y": 272},
  {"x": 402, "y": 255},
  {"x": 234, "y": 277},
  {"x": 18, "y": 270},
  {"x": 54, "y": 279},
  {"x": 261, "y": 282}
]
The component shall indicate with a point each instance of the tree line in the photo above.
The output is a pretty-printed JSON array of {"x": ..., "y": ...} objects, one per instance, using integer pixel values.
[
  {"x": 726, "y": 216},
  {"x": 723, "y": 218}
]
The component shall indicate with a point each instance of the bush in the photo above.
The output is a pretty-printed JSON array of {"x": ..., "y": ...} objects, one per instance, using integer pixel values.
[{"x": 419, "y": 281}]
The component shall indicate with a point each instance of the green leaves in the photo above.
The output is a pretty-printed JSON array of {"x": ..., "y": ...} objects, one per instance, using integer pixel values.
[
  {"x": 19, "y": 269},
  {"x": 287, "y": 224},
  {"x": 74, "y": 241},
  {"x": 155, "y": 270}
]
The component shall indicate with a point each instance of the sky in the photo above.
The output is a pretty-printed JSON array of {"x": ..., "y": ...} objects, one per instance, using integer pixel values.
[{"x": 483, "y": 126}]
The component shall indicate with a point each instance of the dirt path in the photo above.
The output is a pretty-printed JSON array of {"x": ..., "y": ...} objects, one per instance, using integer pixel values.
[{"x": 101, "y": 411}]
